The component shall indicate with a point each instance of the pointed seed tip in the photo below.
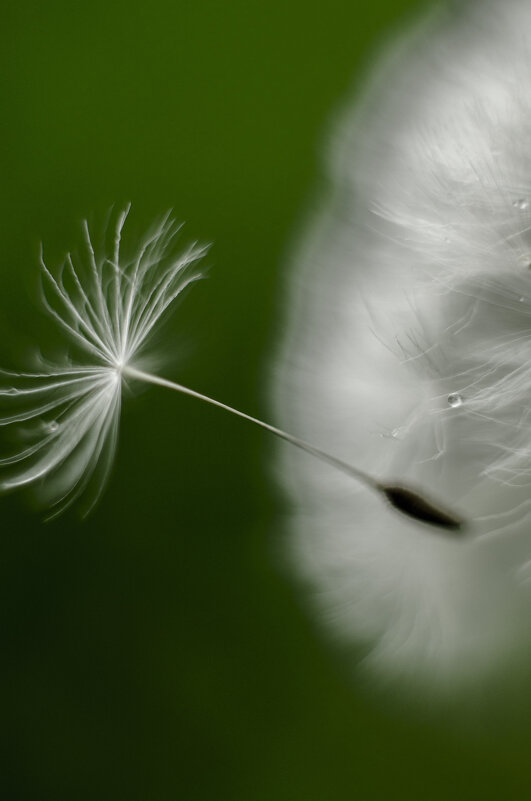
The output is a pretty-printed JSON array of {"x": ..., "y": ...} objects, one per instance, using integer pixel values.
[{"x": 418, "y": 507}]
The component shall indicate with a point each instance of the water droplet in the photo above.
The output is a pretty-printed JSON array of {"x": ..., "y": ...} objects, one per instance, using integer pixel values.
[
  {"x": 53, "y": 425},
  {"x": 395, "y": 433},
  {"x": 398, "y": 433},
  {"x": 521, "y": 300},
  {"x": 522, "y": 204},
  {"x": 455, "y": 399}
]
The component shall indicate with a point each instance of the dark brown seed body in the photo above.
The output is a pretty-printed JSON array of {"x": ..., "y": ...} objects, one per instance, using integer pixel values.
[{"x": 413, "y": 505}]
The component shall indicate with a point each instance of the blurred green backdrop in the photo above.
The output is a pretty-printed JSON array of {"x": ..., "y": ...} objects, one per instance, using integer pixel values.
[{"x": 160, "y": 650}]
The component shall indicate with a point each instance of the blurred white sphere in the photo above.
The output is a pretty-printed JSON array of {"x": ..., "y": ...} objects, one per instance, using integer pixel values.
[{"x": 407, "y": 352}]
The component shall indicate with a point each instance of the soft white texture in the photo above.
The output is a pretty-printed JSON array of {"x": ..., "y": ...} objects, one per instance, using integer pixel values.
[
  {"x": 408, "y": 354},
  {"x": 67, "y": 414}
]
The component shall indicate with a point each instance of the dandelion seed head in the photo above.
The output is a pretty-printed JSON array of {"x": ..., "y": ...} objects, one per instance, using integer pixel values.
[
  {"x": 108, "y": 307},
  {"x": 407, "y": 315}
]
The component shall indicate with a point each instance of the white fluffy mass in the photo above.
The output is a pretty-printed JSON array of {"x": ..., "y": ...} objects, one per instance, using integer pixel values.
[{"x": 408, "y": 354}]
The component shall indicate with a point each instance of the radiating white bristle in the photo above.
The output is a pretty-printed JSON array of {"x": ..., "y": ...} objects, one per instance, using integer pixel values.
[{"x": 107, "y": 305}]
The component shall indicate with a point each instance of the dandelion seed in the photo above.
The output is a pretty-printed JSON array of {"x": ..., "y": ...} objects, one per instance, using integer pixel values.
[{"x": 109, "y": 308}]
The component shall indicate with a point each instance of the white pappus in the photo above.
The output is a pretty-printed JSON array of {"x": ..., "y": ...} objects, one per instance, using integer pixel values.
[
  {"x": 408, "y": 352},
  {"x": 68, "y": 413}
]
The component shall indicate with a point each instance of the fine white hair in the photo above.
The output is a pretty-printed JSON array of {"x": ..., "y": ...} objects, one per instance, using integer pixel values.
[
  {"x": 65, "y": 414},
  {"x": 408, "y": 353}
]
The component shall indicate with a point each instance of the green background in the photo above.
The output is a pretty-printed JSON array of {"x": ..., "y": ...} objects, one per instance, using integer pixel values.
[{"x": 161, "y": 649}]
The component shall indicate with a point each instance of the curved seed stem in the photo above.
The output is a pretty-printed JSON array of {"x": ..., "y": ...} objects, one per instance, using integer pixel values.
[{"x": 402, "y": 498}]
